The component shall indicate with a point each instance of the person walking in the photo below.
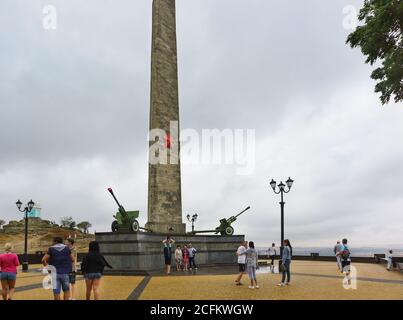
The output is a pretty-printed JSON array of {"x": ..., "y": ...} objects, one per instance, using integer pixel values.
[
  {"x": 185, "y": 257},
  {"x": 178, "y": 257},
  {"x": 390, "y": 260},
  {"x": 345, "y": 255},
  {"x": 59, "y": 256},
  {"x": 8, "y": 266},
  {"x": 272, "y": 252},
  {"x": 92, "y": 267},
  {"x": 168, "y": 242},
  {"x": 73, "y": 274},
  {"x": 285, "y": 263},
  {"x": 241, "y": 253},
  {"x": 336, "y": 250},
  {"x": 252, "y": 265},
  {"x": 192, "y": 257}
]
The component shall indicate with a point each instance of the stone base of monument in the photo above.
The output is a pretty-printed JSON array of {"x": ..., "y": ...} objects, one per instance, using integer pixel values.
[{"x": 142, "y": 252}]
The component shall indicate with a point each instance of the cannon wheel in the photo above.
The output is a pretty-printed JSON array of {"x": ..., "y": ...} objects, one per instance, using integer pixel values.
[
  {"x": 135, "y": 226},
  {"x": 229, "y": 231},
  {"x": 115, "y": 226}
]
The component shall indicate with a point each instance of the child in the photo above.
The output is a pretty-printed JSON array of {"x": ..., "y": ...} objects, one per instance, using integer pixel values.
[
  {"x": 390, "y": 260},
  {"x": 185, "y": 255},
  {"x": 178, "y": 257},
  {"x": 73, "y": 273}
]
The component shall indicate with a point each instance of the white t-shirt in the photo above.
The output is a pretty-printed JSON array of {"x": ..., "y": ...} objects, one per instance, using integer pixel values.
[
  {"x": 272, "y": 251},
  {"x": 241, "y": 255}
]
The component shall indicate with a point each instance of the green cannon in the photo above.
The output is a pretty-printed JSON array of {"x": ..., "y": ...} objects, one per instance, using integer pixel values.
[
  {"x": 125, "y": 220},
  {"x": 225, "y": 228}
]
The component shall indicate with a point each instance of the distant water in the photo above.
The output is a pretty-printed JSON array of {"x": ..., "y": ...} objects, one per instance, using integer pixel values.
[{"x": 355, "y": 252}]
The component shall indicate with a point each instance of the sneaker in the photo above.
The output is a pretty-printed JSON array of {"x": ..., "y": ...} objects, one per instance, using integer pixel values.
[
  {"x": 238, "y": 283},
  {"x": 287, "y": 284},
  {"x": 281, "y": 284},
  {"x": 257, "y": 287},
  {"x": 251, "y": 287}
]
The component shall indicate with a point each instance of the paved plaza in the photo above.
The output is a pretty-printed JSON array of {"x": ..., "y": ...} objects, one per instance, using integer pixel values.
[{"x": 310, "y": 280}]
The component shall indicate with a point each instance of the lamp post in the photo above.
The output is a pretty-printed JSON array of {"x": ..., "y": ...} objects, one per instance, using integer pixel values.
[
  {"x": 281, "y": 190},
  {"x": 26, "y": 210},
  {"x": 192, "y": 219}
]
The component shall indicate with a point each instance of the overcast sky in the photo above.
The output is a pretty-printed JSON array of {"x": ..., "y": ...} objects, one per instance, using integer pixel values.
[{"x": 74, "y": 111}]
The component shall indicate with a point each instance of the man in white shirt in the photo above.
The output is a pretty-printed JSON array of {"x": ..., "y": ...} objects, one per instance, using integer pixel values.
[
  {"x": 272, "y": 255},
  {"x": 336, "y": 250},
  {"x": 241, "y": 253},
  {"x": 390, "y": 260}
]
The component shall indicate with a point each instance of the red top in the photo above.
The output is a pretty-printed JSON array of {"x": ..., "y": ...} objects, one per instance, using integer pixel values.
[{"x": 9, "y": 262}]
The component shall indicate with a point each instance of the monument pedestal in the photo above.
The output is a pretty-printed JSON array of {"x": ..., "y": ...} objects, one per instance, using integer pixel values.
[{"x": 142, "y": 252}]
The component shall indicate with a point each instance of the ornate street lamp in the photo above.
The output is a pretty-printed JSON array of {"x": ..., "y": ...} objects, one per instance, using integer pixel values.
[
  {"x": 28, "y": 208},
  {"x": 281, "y": 190},
  {"x": 192, "y": 219}
]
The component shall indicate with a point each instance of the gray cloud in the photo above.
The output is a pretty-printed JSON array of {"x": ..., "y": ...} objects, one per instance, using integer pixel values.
[{"x": 74, "y": 115}]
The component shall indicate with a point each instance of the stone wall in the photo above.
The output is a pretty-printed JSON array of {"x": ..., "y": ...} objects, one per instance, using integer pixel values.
[{"x": 143, "y": 252}]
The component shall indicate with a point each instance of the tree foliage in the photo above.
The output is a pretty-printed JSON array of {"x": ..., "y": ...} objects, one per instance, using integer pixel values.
[
  {"x": 67, "y": 222},
  {"x": 380, "y": 38},
  {"x": 84, "y": 226}
]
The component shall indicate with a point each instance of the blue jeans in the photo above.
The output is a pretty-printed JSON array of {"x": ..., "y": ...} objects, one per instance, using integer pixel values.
[
  {"x": 286, "y": 271},
  {"x": 192, "y": 263},
  {"x": 62, "y": 283},
  {"x": 8, "y": 276}
]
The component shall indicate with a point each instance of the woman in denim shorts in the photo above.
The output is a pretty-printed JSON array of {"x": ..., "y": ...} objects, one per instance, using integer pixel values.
[
  {"x": 8, "y": 264},
  {"x": 92, "y": 268}
]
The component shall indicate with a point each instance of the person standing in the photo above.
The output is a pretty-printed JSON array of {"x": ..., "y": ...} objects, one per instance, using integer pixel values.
[
  {"x": 8, "y": 265},
  {"x": 60, "y": 257},
  {"x": 336, "y": 250},
  {"x": 168, "y": 242},
  {"x": 272, "y": 252},
  {"x": 285, "y": 263},
  {"x": 73, "y": 274},
  {"x": 178, "y": 257},
  {"x": 241, "y": 253},
  {"x": 192, "y": 257},
  {"x": 92, "y": 267},
  {"x": 390, "y": 260},
  {"x": 345, "y": 255},
  {"x": 185, "y": 256},
  {"x": 252, "y": 265}
]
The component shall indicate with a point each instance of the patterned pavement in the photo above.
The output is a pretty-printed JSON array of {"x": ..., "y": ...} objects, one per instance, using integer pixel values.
[{"x": 310, "y": 280}]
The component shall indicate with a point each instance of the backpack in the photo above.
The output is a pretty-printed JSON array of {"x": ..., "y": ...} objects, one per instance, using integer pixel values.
[{"x": 345, "y": 253}]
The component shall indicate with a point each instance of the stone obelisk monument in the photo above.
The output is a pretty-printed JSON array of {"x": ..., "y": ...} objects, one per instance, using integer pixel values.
[
  {"x": 140, "y": 252},
  {"x": 164, "y": 179}
]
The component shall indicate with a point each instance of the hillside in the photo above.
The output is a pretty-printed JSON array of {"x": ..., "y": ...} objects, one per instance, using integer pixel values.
[{"x": 40, "y": 235}]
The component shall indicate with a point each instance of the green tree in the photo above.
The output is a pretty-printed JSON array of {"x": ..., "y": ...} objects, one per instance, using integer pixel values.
[
  {"x": 380, "y": 38},
  {"x": 65, "y": 222},
  {"x": 84, "y": 226}
]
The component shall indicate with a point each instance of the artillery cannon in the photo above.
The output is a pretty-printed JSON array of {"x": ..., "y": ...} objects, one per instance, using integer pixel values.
[
  {"x": 125, "y": 220},
  {"x": 225, "y": 227}
]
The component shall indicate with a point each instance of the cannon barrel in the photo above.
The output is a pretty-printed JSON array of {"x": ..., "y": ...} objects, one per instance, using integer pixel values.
[
  {"x": 247, "y": 208},
  {"x": 230, "y": 220},
  {"x": 121, "y": 208}
]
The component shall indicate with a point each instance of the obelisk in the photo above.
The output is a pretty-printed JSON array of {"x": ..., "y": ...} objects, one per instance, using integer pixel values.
[{"x": 164, "y": 180}]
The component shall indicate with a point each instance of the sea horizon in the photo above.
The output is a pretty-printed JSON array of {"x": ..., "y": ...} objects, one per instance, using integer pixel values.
[{"x": 355, "y": 251}]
